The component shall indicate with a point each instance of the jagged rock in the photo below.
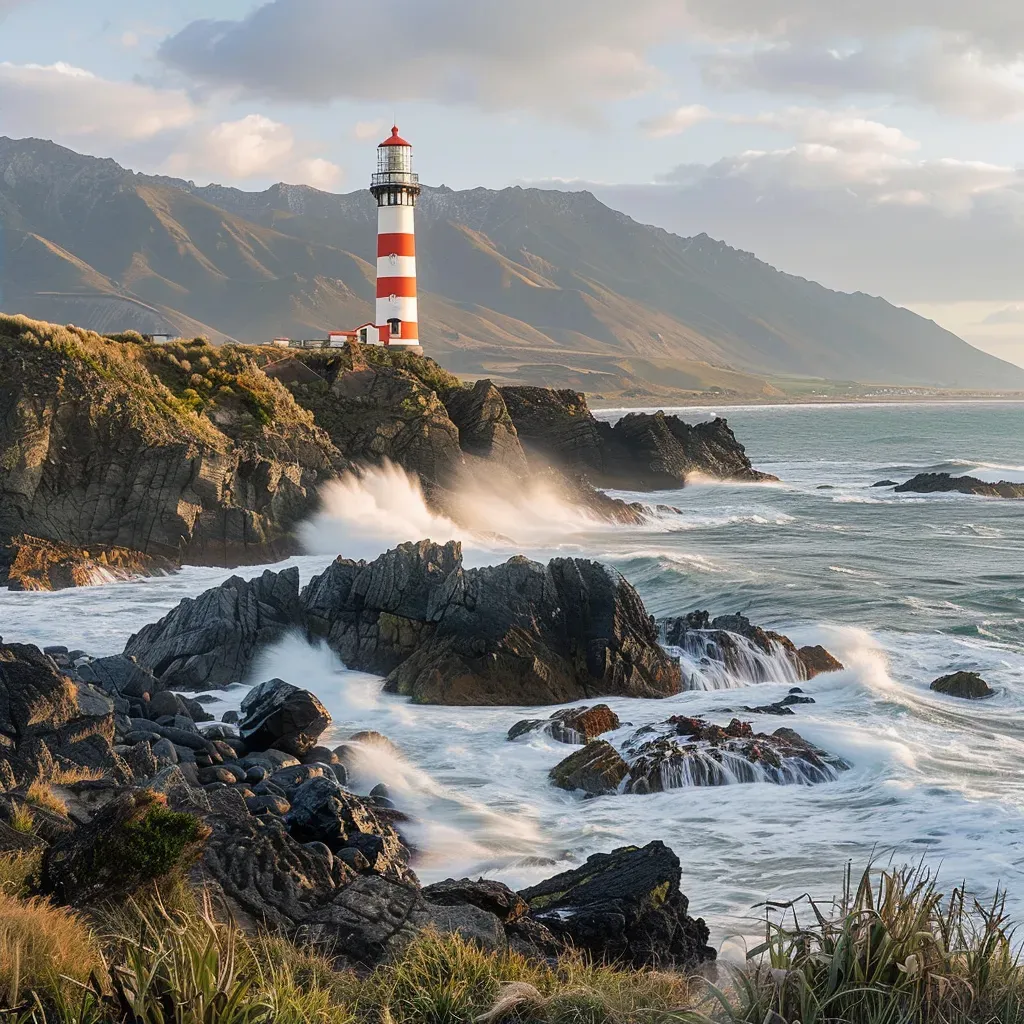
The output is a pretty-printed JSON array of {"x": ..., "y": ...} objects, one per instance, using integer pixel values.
[
  {"x": 573, "y": 725},
  {"x": 277, "y": 715},
  {"x": 519, "y": 633},
  {"x": 485, "y": 428},
  {"x": 321, "y": 811},
  {"x": 597, "y": 769},
  {"x": 713, "y": 755},
  {"x": 98, "y": 449},
  {"x": 641, "y": 452},
  {"x": 119, "y": 676},
  {"x": 966, "y": 685},
  {"x": 134, "y": 840},
  {"x": 938, "y": 483},
  {"x": 494, "y": 897},
  {"x": 47, "y": 719},
  {"x": 211, "y": 640},
  {"x": 717, "y": 641},
  {"x": 625, "y": 907}
]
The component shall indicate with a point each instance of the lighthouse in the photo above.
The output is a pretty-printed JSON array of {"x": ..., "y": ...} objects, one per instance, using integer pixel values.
[{"x": 396, "y": 188}]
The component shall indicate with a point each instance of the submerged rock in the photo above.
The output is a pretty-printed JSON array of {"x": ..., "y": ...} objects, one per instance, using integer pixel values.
[
  {"x": 938, "y": 483},
  {"x": 573, "y": 725},
  {"x": 744, "y": 650},
  {"x": 625, "y": 906},
  {"x": 966, "y": 685}
]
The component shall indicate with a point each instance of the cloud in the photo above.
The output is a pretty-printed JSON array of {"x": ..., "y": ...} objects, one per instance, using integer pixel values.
[
  {"x": 1008, "y": 315},
  {"x": 163, "y": 129},
  {"x": 941, "y": 73},
  {"x": 677, "y": 121},
  {"x": 366, "y": 130},
  {"x": 252, "y": 147},
  {"x": 62, "y": 100},
  {"x": 553, "y": 58}
]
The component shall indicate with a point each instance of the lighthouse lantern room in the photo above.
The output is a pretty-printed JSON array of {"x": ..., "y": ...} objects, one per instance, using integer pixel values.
[{"x": 396, "y": 187}]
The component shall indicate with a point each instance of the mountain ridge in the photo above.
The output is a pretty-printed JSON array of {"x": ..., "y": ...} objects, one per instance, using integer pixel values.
[{"x": 514, "y": 282}]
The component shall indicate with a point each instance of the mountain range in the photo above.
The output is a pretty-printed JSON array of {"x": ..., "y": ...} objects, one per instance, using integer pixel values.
[{"x": 537, "y": 286}]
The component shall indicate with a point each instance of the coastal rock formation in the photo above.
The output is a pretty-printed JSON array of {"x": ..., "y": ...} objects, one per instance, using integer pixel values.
[
  {"x": 966, "y": 685},
  {"x": 641, "y": 452},
  {"x": 485, "y": 427},
  {"x": 940, "y": 483},
  {"x": 211, "y": 640},
  {"x": 101, "y": 446},
  {"x": 572, "y": 725},
  {"x": 688, "y": 752},
  {"x": 745, "y": 650},
  {"x": 518, "y": 633},
  {"x": 625, "y": 906}
]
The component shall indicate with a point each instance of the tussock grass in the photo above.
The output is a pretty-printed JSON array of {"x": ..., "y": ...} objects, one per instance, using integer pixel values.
[
  {"x": 45, "y": 950},
  {"x": 41, "y": 794},
  {"x": 16, "y": 872},
  {"x": 892, "y": 949},
  {"x": 22, "y": 819}
]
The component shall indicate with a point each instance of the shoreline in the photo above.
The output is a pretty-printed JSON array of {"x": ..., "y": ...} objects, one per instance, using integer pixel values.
[{"x": 739, "y": 402}]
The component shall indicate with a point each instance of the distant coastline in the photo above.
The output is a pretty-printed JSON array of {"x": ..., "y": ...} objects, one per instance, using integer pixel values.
[{"x": 746, "y": 401}]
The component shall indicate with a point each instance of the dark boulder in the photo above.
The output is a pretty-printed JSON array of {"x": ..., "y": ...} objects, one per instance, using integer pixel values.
[
  {"x": 277, "y": 715},
  {"x": 624, "y": 907},
  {"x": 572, "y": 725},
  {"x": 596, "y": 770},
  {"x": 211, "y": 640},
  {"x": 120, "y": 676},
  {"x": 966, "y": 685},
  {"x": 519, "y": 633},
  {"x": 485, "y": 428}
]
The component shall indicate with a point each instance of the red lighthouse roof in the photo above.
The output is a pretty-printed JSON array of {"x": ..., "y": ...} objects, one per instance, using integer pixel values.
[{"x": 395, "y": 140}]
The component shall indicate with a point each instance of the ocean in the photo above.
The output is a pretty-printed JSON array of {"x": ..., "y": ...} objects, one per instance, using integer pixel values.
[{"x": 902, "y": 588}]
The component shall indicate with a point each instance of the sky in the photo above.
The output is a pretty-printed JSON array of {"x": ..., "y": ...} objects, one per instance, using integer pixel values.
[{"x": 871, "y": 145}]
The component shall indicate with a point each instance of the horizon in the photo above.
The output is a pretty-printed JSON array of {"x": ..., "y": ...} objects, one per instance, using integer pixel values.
[{"x": 866, "y": 150}]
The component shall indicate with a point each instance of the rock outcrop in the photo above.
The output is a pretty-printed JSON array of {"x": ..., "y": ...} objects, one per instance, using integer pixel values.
[
  {"x": 211, "y": 640},
  {"x": 572, "y": 725},
  {"x": 943, "y": 483},
  {"x": 278, "y": 715},
  {"x": 624, "y": 907},
  {"x": 641, "y": 452},
  {"x": 966, "y": 685},
  {"x": 101, "y": 445},
  {"x": 518, "y": 633},
  {"x": 746, "y": 651}
]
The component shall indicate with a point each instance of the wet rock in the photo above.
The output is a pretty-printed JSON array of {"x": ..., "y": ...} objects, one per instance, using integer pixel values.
[
  {"x": 278, "y": 715},
  {"x": 597, "y": 769},
  {"x": 574, "y": 725},
  {"x": 494, "y": 897},
  {"x": 939, "y": 483},
  {"x": 231, "y": 717},
  {"x": 268, "y": 805},
  {"x": 120, "y": 675},
  {"x": 520, "y": 633},
  {"x": 626, "y": 907},
  {"x": 781, "y": 707},
  {"x": 210, "y": 641},
  {"x": 886, "y": 483},
  {"x": 966, "y": 685},
  {"x": 745, "y": 650}
]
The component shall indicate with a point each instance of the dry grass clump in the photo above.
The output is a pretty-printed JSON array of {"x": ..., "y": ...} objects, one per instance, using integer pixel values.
[
  {"x": 45, "y": 950},
  {"x": 22, "y": 819},
  {"x": 41, "y": 794},
  {"x": 16, "y": 872}
]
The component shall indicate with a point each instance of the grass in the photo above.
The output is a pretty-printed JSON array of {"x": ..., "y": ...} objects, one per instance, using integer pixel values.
[
  {"x": 892, "y": 949},
  {"x": 22, "y": 819},
  {"x": 41, "y": 794}
]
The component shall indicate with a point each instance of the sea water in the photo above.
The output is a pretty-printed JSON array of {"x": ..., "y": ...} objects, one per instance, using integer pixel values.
[{"x": 902, "y": 588}]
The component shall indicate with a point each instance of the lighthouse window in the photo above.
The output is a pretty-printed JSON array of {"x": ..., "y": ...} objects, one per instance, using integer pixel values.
[{"x": 396, "y": 328}]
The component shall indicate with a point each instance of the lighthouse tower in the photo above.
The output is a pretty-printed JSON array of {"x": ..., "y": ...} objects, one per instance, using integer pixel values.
[{"x": 396, "y": 188}]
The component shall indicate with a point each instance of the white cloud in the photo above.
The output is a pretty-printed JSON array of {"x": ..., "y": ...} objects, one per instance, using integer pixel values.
[
  {"x": 364, "y": 131},
  {"x": 940, "y": 72},
  {"x": 677, "y": 121},
  {"x": 1013, "y": 314},
  {"x": 161, "y": 128},
  {"x": 62, "y": 100},
  {"x": 252, "y": 147},
  {"x": 553, "y": 58}
]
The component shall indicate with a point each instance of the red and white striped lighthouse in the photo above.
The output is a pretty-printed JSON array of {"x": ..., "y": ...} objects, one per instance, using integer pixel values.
[{"x": 396, "y": 189}]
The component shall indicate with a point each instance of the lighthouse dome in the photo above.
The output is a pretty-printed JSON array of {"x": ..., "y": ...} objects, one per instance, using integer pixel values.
[{"x": 395, "y": 139}]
